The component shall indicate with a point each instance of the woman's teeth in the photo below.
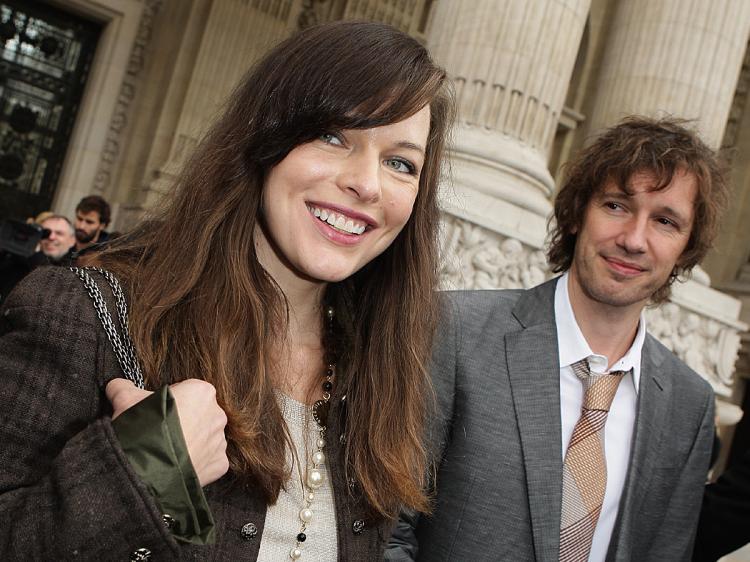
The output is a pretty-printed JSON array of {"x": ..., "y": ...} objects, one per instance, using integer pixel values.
[{"x": 339, "y": 221}]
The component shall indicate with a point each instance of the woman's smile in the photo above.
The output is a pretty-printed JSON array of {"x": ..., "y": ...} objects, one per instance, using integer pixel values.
[{"x": 341, "y": 221}]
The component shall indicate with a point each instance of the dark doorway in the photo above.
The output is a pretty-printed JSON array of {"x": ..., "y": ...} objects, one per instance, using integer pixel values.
[{"x": 45, "y": 58}]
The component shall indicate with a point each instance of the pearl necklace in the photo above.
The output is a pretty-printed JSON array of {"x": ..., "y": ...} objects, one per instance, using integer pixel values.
[{"x": 315, "y": 476}]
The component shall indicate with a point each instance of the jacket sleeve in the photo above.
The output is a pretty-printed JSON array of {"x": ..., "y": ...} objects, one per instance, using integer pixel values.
[
  {"x": 403, "y": 544},
  {"x": 150, "y": 434},
  {"x": 67, "y": 489},
  {"x": 676, "y": 536}
]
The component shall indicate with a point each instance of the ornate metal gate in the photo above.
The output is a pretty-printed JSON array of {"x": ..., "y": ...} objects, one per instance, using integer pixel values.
[{"x": 45, "y": 58}]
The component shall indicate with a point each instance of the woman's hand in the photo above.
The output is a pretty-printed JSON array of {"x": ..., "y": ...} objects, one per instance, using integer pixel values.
[{"x": 202, "y": 421}]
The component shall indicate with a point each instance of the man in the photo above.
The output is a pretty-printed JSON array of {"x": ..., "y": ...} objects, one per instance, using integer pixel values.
[
  {"x": 56, "y": 249},
  {"x": 58, "y": 246},
  {"x": 92, "y": 217},
  {"x": 566, "y": 431}
]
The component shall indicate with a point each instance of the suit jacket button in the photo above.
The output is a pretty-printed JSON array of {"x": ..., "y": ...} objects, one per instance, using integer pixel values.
[
  {"x": 358, "y": 526},
  {"x": 249, "y": 530},
  {"x": 140, "y": 555}
]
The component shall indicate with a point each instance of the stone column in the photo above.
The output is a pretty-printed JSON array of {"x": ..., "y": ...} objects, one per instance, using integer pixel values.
[
  {"x": 673, "y": 56},
  {"x": 511, "y": 62},
  {"x": 236, "y": 34},
  {"x": 398, "y": 14}
]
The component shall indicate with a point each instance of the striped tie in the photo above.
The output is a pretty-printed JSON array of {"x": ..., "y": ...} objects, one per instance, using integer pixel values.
[{"x": 585, "y": 467}]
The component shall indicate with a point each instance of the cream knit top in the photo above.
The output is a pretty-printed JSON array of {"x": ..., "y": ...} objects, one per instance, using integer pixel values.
[{"x": 282, "y": 519}]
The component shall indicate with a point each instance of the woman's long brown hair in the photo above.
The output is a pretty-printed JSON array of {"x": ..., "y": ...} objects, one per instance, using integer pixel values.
[{"x": 203, "y": 307}]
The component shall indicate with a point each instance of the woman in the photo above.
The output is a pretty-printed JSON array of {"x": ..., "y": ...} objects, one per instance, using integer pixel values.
[{"x": 294, "y": 263}]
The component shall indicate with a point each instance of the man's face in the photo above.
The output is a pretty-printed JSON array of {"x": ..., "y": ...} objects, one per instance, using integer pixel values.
[
  {"x": 60, "y": 239},
  {"x": 628, "y": 245},
  {"x": 88, "y": 226}
]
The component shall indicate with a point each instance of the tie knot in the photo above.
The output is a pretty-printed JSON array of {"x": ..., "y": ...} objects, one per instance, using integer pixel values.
[{"x": 598, "y": 389}]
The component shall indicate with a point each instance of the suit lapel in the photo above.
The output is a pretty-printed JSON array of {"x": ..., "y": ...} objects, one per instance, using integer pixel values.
[
  {"x": 653, "y": 401},
  {"x": 534, "y": 372}
]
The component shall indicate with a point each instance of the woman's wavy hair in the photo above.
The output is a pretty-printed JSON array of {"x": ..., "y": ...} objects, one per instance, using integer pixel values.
[
  {"x": 203, "y": 306},
  {"x": 662, "y": 147}
]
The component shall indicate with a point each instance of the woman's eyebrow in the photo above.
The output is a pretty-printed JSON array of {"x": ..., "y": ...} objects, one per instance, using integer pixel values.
[{"x": 410, "y": 145}]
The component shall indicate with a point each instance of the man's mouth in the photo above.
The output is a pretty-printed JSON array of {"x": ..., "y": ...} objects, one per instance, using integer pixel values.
[
  {"x": 338, "y": 220},
  {"x": 625, "y": 267}
]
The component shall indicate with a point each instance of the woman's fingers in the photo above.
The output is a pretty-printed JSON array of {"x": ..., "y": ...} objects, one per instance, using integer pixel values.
[{"x": 123, "y": 394}]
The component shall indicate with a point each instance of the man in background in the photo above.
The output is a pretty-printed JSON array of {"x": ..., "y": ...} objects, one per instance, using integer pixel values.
[
  {"x": 58, "y": 245},
  {"x": 92, "y": 217},
  {"x": 55, "y": 248}
]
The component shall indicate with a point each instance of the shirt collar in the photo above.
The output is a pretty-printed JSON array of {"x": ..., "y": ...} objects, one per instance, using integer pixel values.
[{"x": 573, "y": 347}]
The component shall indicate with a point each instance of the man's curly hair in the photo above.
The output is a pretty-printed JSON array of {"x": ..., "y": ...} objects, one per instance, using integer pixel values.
[{"x": 661, "y": 147}]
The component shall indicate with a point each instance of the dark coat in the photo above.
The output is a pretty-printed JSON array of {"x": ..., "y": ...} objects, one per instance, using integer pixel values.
[
  {"x": 724, "y": 524},
  {"x": 67, "y": 491},
  {"x": 13, "y": 268}
]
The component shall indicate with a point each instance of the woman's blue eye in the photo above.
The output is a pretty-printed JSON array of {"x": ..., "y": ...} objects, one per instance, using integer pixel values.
[
  {"x": 331, "y": 138},
  {"x": 400, "y": 165}
]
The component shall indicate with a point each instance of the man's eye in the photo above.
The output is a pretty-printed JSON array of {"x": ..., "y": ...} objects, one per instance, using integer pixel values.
[
  {"x": 400, "y": 165},
  {"x": 612, "y": 205},
  {"x": 331, "y": 138}
]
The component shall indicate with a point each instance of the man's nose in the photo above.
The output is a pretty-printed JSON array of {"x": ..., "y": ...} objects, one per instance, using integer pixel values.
[{"x": 633, "y": 237}]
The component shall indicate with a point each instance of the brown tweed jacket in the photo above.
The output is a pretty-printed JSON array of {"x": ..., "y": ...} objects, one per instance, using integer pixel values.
[{"x": 66, "y": 489}]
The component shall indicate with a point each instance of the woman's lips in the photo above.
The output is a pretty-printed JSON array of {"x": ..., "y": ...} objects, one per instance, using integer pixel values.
[{"x": 337, "y": 235}]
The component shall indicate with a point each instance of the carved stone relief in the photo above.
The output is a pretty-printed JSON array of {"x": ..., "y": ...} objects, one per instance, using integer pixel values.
[
  {"x": 125, "y": 98},
  {"x": 477, "y": 258},
  {"x": 314, "y": 12}
]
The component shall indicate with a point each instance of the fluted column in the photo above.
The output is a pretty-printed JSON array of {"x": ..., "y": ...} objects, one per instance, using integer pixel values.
[
  {"x": 680, "y": 57},
  {"x": 398, "y": 13},
  {"x": 511, "y": 61},
  {"x": 237, "y": 33}
]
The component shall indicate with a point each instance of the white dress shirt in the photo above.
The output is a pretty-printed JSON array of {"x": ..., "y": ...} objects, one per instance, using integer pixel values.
[{"x": 618, "y": 431}]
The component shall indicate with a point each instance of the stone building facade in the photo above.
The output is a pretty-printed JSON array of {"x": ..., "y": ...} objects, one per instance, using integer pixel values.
[{"x": 534, "y": 79}]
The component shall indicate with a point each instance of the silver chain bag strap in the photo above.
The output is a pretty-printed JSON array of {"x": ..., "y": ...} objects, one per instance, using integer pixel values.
[{"x": 120, "y": 339}]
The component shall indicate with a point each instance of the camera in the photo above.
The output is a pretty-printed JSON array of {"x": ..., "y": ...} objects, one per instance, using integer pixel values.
[{"x": 20, "y": 238}]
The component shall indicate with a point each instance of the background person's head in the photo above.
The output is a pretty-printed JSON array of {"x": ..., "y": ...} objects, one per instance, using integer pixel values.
[
  {"x": 92, "y": 217},
  {"x": 664, "y": 150},
  {"x": 41, "y": 217},
  {"x": 61, "y": 237}
]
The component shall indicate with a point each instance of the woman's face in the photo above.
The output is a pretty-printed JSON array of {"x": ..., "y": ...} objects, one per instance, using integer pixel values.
[{"x": 337, "y": 202}]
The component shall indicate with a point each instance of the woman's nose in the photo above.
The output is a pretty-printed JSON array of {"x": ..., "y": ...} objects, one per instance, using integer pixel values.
[{"x": 361, "y": 175}]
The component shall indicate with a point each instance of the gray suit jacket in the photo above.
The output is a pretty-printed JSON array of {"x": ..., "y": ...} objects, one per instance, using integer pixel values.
[{"x": 498, "y": 436}]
